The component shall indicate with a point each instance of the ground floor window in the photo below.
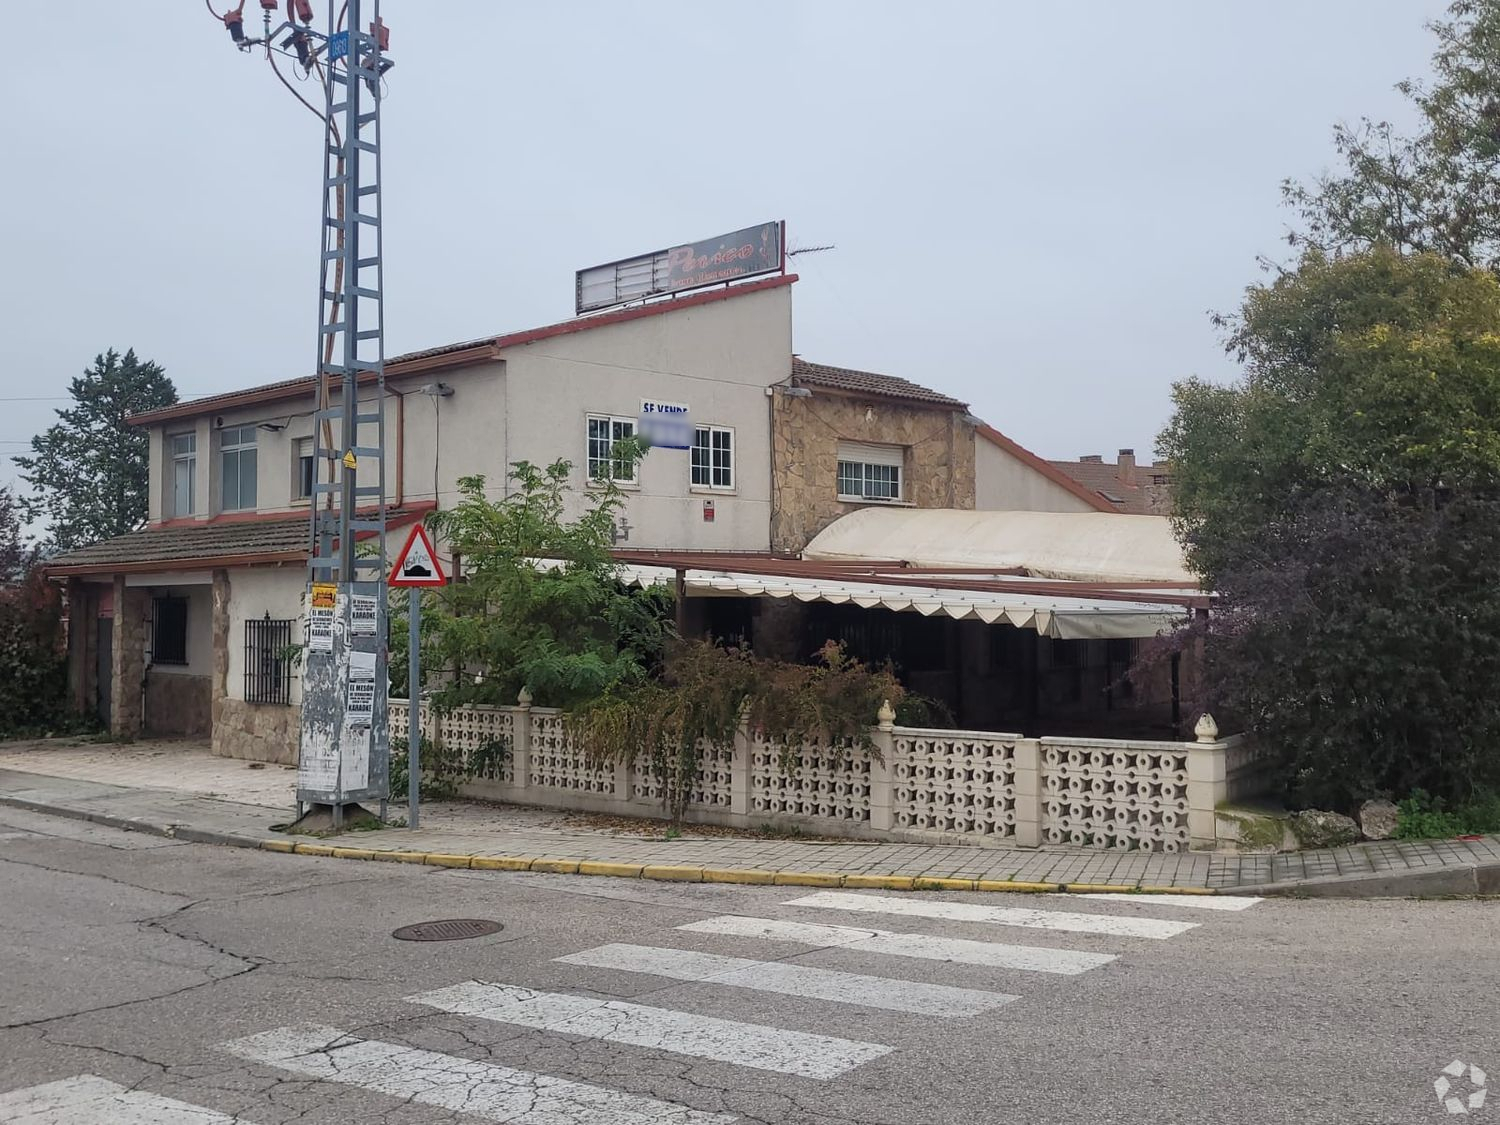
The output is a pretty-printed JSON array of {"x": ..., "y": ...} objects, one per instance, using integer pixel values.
[
  {"x": 268, "y": 669},
  {"x": 169, "y": 631}
]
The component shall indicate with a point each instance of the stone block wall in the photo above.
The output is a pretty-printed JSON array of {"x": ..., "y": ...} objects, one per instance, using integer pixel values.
[
  {"x": 805, "y": 433},
  {"x": 257, "y": 732},
  {"x": 128, "y": 659},
  {"x": 178, "y": 705}
]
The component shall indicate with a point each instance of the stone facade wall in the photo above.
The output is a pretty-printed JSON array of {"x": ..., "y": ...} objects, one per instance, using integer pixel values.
[
  {"x": 938, "y": 471},
  {"x": 179, "y": 705},
  {"x": 257, "y": 732},
  {"x": 128, "y": 659}
]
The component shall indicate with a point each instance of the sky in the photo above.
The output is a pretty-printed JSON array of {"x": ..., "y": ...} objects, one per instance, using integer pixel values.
[{"x": 1034, "y": 207}]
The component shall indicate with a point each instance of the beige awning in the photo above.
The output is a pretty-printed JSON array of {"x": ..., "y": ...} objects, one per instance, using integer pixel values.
[
  {"x": 1059, "y": 616},
  {"x": 1077, "y": 546}
]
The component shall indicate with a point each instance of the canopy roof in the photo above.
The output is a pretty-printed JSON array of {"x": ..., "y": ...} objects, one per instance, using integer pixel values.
[
  {"x": 1076, "y": 546},
  {"x": 1064, "y": 610}
]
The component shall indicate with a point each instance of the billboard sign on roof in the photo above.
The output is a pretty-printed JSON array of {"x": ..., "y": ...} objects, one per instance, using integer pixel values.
[{"x": 711, "y": 261}]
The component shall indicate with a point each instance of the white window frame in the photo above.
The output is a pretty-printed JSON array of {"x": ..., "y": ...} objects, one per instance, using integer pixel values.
[
  {"x": 864, "y": 458},
  {"x": 710, "y": 467},
  {"x": 238, "y": 450},
  {"x": 615, "y": 422},
  {"x": 189, "y": 458},
  {"x": 302, "y": 450}
]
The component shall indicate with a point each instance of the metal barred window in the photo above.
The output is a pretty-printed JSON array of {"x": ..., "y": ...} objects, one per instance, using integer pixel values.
[{"x": 268, "y": 671}]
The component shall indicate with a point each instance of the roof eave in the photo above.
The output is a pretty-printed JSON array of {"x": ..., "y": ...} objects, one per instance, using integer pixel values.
[{"x": 1046, "y": 468}]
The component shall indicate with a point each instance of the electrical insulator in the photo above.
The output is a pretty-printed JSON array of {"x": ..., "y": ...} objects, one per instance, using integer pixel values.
[
  {"x": 299, "y": 42},
  {"x": 382, "y": 35},
  {"x": 234, "y": 20},
  {"x": 301, "y": 9},
  {"x": 268, "y": 5}
]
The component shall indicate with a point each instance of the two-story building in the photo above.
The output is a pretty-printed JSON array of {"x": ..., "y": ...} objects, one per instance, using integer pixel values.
[{"x": 182, "y": 627}]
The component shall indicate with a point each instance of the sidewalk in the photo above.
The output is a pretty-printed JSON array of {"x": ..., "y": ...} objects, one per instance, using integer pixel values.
[{"x": 182, "y": 791}]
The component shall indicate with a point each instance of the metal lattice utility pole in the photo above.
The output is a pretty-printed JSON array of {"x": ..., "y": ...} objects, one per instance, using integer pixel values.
[{"x": 344, "y": 746}]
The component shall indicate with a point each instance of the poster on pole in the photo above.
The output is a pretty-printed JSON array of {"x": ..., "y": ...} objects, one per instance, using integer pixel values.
[
  {"x": 364, "y": 615},
  {"x": 320, "y": 614}
]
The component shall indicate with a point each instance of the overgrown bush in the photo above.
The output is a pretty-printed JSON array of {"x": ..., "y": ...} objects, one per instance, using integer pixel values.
[
  {"x": 33, "y": 665},
  {"x": 698, "y": 704},
  {"x": 445, "y": 768}
]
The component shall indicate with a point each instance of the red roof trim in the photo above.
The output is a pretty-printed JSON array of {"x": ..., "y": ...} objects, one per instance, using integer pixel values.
[
  {"x": 1046, "y": 468},
  {"x": 462, "y": 354}
]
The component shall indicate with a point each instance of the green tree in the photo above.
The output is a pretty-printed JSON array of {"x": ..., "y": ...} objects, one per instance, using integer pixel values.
[
  {"x": 567, "y": 629},
  {"x": 88, "y": 472},
  {"x": 16, "y": 554},
  {"x": 1437, "y": 190},
  {"x": 1343, "y": 500},
  {"x": 1375, "y": 370}
]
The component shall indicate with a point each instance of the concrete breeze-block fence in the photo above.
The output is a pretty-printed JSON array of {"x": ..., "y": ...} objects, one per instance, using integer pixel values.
[{"x": 922, "y": 785}]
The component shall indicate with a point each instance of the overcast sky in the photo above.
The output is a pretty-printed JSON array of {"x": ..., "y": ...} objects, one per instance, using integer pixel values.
[{"x": 1034, "y": 204}]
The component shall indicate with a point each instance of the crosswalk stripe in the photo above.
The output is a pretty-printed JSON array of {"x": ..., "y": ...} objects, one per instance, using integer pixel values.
[
  {"x": 991, "y": 954},
  {"x": 467, "y": 1086},
  {"x": 1110, "y": 924},
  {"x": 1197, "y": 902},
  {"x": 86, "y": 1099},
  {"x": 636, "y": 1025},
  {"x": 792, "y": 980}
]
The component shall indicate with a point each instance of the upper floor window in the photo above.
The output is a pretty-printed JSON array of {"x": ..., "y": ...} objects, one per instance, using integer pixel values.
[
  {"x": 870, "y": 472},
  {"x": 306, "y": 474},
  {"x": 713, "y": 457},
  {"x": 238, "y": 467},
  {"x": 603, "y": 432},
  {"x": 184, "y": 453}
]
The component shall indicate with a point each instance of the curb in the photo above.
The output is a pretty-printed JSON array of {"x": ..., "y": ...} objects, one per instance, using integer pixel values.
[{"x": 672, "y": 873}]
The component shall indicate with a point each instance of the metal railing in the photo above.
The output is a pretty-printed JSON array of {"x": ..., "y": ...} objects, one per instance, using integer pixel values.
[{"x": 268, "y": 670}]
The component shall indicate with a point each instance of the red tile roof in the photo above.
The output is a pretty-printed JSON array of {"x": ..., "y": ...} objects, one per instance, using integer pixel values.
[
  {"x": 1149, "y": 495},
  {"x": 867, "y": 383}
]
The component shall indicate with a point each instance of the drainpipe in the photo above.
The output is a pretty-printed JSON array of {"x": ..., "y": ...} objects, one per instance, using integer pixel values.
[{"x": 400, "y": 445}]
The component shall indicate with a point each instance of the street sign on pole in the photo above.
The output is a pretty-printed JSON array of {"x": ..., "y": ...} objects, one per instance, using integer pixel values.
[{"x": 416, "y": 566}]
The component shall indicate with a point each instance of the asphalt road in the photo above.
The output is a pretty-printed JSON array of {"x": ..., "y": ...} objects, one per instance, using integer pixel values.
[{"x": 149, "y": 982}]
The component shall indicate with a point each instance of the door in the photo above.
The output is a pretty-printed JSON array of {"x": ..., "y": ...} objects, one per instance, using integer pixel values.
[{"x": 105, "y": 648}]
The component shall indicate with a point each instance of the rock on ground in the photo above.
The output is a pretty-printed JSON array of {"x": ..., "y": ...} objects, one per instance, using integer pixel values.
[
  {"x": 1377, "y": 820},
  {"x": 1317, "y": 829}
]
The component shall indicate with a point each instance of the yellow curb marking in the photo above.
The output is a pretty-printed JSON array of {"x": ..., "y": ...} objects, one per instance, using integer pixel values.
[
  {"x": 737, "y": 875},
  {"x": 438, "y": 859},
  {"x": 618, "y": 870},
  {"x": 502, "y": 862},
  {"x": 809, "y": 879},
  {"x": 402, "y": 857},
  {"x": 1099, "y": 888},
  {"x": 276, "y": 845},
  {"x": 881, "y": 882},
  {"x": 673, "y": 874},
  {"x": 925, "y": 884},
  {"x": 556, "y": 866},
  {"x": 313, "y": 849},
  {"x": 353, "y": 853},
  {"x": 1015, "y": 887}
]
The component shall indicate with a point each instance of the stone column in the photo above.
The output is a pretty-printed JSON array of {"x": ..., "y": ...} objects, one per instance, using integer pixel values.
[
  {"x": 218, "y": 680},
  {"x": 1028, "y": 786},
  {"x": 82, "y": 623},
  {"x": 127, "y": 660},
  {"x": 520, "y": 750},
  {"x": 1208, "y": 785}
]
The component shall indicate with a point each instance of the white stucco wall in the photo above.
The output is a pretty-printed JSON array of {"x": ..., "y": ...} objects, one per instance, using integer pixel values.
[
  {"x": 254, "y": 592},
  {"x": 1005, "y": 483}
]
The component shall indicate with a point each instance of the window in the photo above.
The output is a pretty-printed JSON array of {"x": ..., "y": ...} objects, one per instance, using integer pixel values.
[
  {"x": 268, "y": 672},
  {"x": 604, "y": 431},
  {"x": 184, "y": 449},
  {"x": 169, "y": 631},
  {"x": 870, "y": 472},
  {"x": 713, "y": 457},
  {"x": 306, "y": 477},
  {"x": 237, "y": 448}
]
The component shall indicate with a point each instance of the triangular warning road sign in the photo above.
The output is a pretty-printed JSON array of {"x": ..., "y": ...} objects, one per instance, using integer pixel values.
[{"x": 417, "y": 564}]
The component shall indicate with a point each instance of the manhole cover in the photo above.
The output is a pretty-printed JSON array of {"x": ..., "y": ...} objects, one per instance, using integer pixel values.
[{"x": 448, "y": 929}]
